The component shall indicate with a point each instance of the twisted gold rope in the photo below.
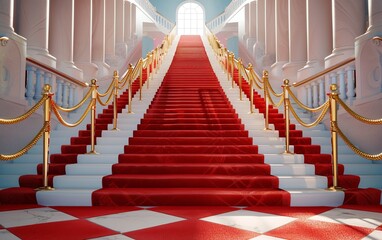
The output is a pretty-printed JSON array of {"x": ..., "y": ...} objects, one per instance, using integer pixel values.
[
  {"x": 66, "y": 124},
  {"x": 317, "y": 121},
  {"x": 25, "y": 115},
  {"x": 8, "y": 157}
]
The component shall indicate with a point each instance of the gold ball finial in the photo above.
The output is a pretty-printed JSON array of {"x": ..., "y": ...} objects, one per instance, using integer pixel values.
[
  {"x": 47, "y": 88},
  {"x": 333, "y": 87},
  {"x": 115, "y": 73},
  {"x": 286, "y": 81},
  {"x": 265, "y": 73},
  {"x": 93, "y": 81},
  {"x": 250, "y": 66}
]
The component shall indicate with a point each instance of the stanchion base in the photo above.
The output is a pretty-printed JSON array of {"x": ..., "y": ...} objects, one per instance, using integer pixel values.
[
  {"x": 92, "y": 152},
  {"x": 46, "y": 188},
  {"x": 267, "y": 129},
  {"x": 336, "y": 189},
  {"x": 288, "y": 153},
  {"x": 115, "y": 129}
]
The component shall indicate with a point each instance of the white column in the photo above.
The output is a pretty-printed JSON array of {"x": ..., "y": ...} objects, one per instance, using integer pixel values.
[
  {"x": 297, "y": 39},
  {"x": 110, "y": 21},
  {"x": 121, "y": 46},
  {"x": 33, "y": 24},
  {"x": 61, "y": 34},
  {"x": 98, "y": 38},
  {"x": 83, "y": 39},
  {"x": 133, "y": 24},
  {"x": 127, "y": 22},
  {"x": 368, "y": 56},
  {"x": 319, "y": 37},
  {"x": 12, "y": 57},
  {"x": 348, "y": 23},
  {"x": 282, "y": 40},
  {"x": 270, "y": 34},
  {"x": 246, "y": 24},
  {"x": 258, "y": 48},
  {"x": 252, "y": 26}
]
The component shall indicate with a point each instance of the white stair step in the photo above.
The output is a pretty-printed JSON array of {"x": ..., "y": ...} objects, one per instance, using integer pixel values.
[
  {"x": 290, "y": 182},
  {"x": 78, "y": 182},
  {"x": 107, "y": 149},
  {"x": 30, "y": 158},
  {"x": 371, "y": 181},
  {"x": 351, "y": 159},
  {"x": 18, "y": 168},
  {"x": 112, "y": 140},
  {"x": 263, "y": 133},
  {"x": 292, "y": 169},
  {"x": 118, "y": 133},
  {"x": 65, "y": 197},
  {"x": 316, "y": 133},
  {"x": 363, "y": 169},
  {"x": 268, "y": 141},
  {"x": 342, "y": 149},
  {"x": 97, "y": 158},
  {"x": 275, "y": 149},
  {"x": 316, "y": 197},
  {"x": 89, "y": 169},
  {"x": 7, "y": 181},
  {"x": 283, "y": 158}
]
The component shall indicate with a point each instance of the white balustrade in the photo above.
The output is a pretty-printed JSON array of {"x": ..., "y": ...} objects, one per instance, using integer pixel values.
[
  {"x": 316, "y": 91},
  {"x": 63, "y": 89}
]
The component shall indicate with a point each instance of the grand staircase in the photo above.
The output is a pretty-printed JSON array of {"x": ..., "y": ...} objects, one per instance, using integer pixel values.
[{"x": 191, "y": 141}]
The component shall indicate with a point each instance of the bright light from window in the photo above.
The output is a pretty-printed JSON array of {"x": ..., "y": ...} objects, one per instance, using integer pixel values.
[{"x": 190, "y": 19}]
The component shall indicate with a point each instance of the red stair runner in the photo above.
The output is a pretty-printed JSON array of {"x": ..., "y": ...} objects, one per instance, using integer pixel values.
[
  {"x": 190, "y": 148},
  {"x": 312, "y": 153}
]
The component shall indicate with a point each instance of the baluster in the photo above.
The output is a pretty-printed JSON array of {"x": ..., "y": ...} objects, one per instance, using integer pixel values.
[
  {"x": 315, "y": 94},
  {"x": 309, "y": 95},
  {"x": 65, "y": 95},
  {"x": 351, "y": 82},
  {"x": 38, "y": 86},
  {"x": 60, "y": 83},
  {"x": 333, "y": 78},
  {"x": 322, "y": 92},
  {"x": 341, "y": 76},
  {"x": 48, "y": 78},
  {"x": 72, "y": 87},
  {"x": 30, "y": 90}
]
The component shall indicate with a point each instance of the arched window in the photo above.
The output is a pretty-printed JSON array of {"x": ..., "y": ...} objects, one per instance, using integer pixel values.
[{"x": 190, "y": 19}]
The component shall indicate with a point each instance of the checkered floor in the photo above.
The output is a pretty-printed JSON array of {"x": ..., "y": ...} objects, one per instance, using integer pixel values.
[{"x": 206, "y": 223}]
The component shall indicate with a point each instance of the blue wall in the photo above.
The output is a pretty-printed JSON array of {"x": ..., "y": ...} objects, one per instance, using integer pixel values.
[
  {"x": 233, "y": 45},
  {"x": 168, "y": 8}
]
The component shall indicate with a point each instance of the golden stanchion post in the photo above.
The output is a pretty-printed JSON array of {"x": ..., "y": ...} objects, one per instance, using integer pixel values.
[
  {"x": 93, "y": 115},
  {"x": 228, "y": 56},
  {"x": 250, "y": 69},
  {"x": 286, "y": 113},
  {"x": 129, "y": 90},
  {"x": 46, "y": 139},
  {"x": 148, "y": 56},
  {"x": 140, "y": 65},
  {"x": 265, "y": 88},
  {"x": 333, "y": 131},
  {"x": 232, "y": 61},
  {"x": 115, "y": 93},
  {"x": 240, "y": 65}
]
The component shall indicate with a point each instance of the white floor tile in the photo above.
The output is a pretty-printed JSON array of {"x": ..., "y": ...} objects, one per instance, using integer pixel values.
[
  {"x": 113, "y": 237},
  {"x": 5, "y": 235},
  {"x": 250, "y": 220},
  {"x": 351, "y": 217},
  {"x": 135, "y": 220},
  {"x": 374, "y": 235},
  {"x": 32, "y": 216}
]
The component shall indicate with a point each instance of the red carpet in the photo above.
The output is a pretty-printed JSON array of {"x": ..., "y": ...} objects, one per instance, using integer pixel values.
[
  {"x": 190, "y": 222},
  {"x": 190, "y": 148}
]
